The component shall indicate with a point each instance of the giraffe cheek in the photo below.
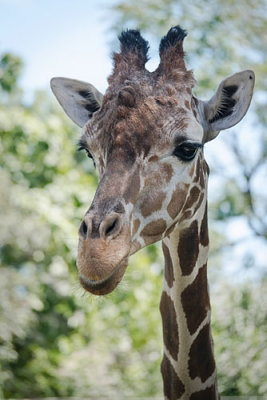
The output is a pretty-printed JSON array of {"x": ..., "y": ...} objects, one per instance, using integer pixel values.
[{"x": 151, "y": 203}]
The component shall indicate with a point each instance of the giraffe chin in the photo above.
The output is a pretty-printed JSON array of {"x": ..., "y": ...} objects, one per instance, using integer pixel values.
[{"x": 107, "y": 285}]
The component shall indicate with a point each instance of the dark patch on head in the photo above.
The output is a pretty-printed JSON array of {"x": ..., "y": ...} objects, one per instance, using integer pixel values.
[
  {"x": 227, "y": 103},
  {"x": 195, "y": 300},
  {"x": 201, "y": 360},
  {"x": 206, "y": 394},
  {"x": 174, "y": 36},
  {"x": 169, "y": 275},
  {"x": 121, "y": 152},
  {"x": 188, "y": 248},
  {"x": 133, "y": 188},
  {"x": 119, "y": 208},
  {"x": 131, "y": 40},
  {"x": 172, "y": 385},
  {"x": 169, "y": 325},
  {"x": 126, "y": 97},
  {"x": 204, "y": 232}
]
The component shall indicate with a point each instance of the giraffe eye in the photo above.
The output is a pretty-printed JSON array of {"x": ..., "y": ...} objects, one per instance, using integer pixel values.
[
  {"x": 187, "y": 151},
  {"x": 88, "y": 154}
]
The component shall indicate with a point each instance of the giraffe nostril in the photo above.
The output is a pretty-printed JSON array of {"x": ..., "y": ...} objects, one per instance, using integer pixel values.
[{"x": 111, "y": 226}]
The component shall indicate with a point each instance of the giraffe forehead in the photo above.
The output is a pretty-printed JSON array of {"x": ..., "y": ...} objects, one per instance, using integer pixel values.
[
  {"x": 148, "y": 126},
  {"x": 138, "y": 115}
]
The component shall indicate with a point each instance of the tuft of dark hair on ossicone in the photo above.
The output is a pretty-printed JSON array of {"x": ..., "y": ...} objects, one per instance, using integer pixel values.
[
  {"x": 131, "y": 40},
  {"x": 175, "y": 35}
]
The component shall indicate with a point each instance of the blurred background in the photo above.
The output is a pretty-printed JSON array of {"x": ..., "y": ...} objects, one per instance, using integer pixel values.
[{"x": 55, "y": 340}]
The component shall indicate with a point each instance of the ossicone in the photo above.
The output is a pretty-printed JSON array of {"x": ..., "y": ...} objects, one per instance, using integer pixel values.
[
  {"x": 132, "y": 42},
  {"x": 172, "y": 64},
  {"x": 173, "y": 39}
]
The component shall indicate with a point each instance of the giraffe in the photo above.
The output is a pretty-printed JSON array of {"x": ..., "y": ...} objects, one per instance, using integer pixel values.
[{"x": 146, "y": 137}]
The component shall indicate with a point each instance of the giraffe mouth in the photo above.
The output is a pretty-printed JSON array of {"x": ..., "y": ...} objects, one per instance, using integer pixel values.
[{"x": 108, "y": 284}]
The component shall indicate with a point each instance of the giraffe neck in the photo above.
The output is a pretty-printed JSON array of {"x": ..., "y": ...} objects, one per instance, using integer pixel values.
[{"x": 188, "y": 366}]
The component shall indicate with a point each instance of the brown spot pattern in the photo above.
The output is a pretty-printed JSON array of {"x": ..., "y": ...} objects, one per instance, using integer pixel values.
[
  {"x": 188, "y": 248},
  {"x": 204, "y": 233},
  {"x": 172, "y": 385},
  {"x": 193, "y": 197},
  {"x": 167, "y": 172},
  {"x": 201, "y": 178},
  {"x": 188, "y": 91},
  {"x": 200, "y": 200},
  {"x": 169, "y": 324},
  {"x": 177, "y": 200},
  {"x": 187, "y": 215},
  {"x": 155, "y": 204},
  {"x": 169, "y": 275},
  {"x": 136, "y": 225},
  {"x": 195, "y": 300},
  {"x": 153, "y": 158},
  {"x": 201, "y": 361},
  {"x": 154, "y": 228},
  {"x": 197, "y": 170},
  {"x": 206, "y": 394}
]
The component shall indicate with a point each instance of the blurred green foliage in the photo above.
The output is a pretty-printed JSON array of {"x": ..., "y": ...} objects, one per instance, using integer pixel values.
[
  {"x": 55, "y": 340},
  {"x": 10, "y": 69}
]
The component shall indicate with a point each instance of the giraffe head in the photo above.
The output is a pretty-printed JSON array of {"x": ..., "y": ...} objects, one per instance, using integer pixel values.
[{"x": 146, "y": 138}]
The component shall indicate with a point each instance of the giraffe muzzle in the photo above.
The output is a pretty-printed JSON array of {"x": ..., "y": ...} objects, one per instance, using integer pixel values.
[
  {"x": 103, "y": 250},
  {"x": 106, "y": 285}
]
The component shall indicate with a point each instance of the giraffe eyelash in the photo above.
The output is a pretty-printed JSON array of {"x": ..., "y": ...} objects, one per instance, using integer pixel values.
[{"x": 81, "y": 146}]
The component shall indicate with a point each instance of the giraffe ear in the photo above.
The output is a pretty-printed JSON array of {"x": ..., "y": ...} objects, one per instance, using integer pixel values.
[
  {"x": 78, "y": 99},
  {"x": 229, "y": 104}
]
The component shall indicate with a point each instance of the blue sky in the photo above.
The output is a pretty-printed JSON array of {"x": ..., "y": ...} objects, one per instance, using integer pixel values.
[{"x": 58, "y": 38}]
